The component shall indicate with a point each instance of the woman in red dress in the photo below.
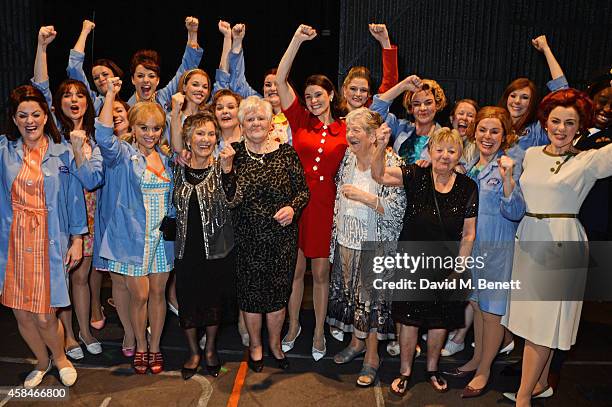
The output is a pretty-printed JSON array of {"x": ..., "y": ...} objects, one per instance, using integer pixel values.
[{"x": 319, "y": 139}]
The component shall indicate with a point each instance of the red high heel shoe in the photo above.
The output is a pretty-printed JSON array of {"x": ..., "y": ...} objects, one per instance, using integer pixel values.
[
  {"x": 156, "y": 362},
  {"x": 140, "y": 362}
]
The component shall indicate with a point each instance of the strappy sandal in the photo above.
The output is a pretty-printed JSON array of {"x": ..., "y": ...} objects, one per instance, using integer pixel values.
[
  {"x": 347, "y": 354},
  {"x": 369, "y": 372},
  {"x": 156, "y": 362},
  {"x": 402, "y": 385},
  {"x": 439, "y": 380},
  {"x": 140, "y": 362}
]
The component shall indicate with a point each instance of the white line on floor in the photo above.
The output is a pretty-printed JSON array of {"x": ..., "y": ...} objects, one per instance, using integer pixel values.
[{"x": 106, "y": 402}]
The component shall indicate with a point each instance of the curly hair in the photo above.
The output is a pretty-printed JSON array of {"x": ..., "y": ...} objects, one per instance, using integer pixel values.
[
  {"x": 574, "y": 98},
  {"x": 530, "y": 114},
  {"x": 253, "y": 104},
  {"x": 495, "y": 112},
  {"x": 432, "y": 86},
  {"x": 148, "y": 58}
]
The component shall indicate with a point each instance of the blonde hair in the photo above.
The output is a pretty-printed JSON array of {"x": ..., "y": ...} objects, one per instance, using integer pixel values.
[
  {"x": 364, "y": 117},
  {"x": 141, "y": 111},
  {"x": 254, "y": 104},
  {"x": 446, "y": 135},
  {"x": 428, "y": 85}
]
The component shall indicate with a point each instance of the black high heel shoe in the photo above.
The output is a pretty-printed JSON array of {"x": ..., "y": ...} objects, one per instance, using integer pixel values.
[
  {"x": 255, "y": 365},
  {"x": 187, "y": 372},
  {"x": 282, "y": 363},
  {"x": 213, "y": 370}
]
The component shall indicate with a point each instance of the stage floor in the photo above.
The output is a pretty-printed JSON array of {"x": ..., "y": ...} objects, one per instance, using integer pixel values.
[{"x": 108, "y": 380}]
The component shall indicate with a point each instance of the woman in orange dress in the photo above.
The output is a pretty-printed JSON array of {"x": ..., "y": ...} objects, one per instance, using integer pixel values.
[{"x": 43, "y": 218}]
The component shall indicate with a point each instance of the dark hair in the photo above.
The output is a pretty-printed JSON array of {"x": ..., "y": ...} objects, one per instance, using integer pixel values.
[
  {"x": 65, "y": 123},
  {"x": 324, "y": 82},
  {"x": 579, "y": 100},
  {"x": 225, "y": 92},
  {"x": 471, "y": 102},
  {"x": 117, "y": 72},
  {"x": 27, "y": 93},
  {"x": 600, "y": 82},
  {"x": 147, "y": 58},
  {"x": 530, "y": 115}
]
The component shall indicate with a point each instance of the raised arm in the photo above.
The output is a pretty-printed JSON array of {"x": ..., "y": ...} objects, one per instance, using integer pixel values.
[
  {"x": 541, "y": 44},
  {"x": 226, "y": 30},
  {"x": 382, "y": 174},
  {"x": 286, "y": 94},
  {"x": 109, "y": 143},
  {"x": 77, "y": 57},
  {"x": 178, "y": 99},
  {"x": 411, "y": 83},
  {"x": 238, "y": 82},
  {"x": 389, "y": 57},
  {"x": 40, "y": 80}
]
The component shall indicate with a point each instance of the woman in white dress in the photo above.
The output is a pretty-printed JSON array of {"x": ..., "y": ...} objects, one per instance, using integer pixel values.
[{"x": 555, "y": 181}]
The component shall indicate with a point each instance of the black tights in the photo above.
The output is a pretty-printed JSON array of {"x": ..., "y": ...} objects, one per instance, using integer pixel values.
[{"x": 210, "y": 350}]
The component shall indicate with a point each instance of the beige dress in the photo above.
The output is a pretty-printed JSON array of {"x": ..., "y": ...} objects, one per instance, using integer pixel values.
[{"x": 552, "y": 186}]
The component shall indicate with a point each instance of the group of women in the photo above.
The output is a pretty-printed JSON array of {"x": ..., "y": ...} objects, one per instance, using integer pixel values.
[{"x": 234, "y": 191}]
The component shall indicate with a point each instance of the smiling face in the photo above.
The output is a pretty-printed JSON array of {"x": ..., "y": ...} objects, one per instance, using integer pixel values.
[
  {"x": 518, "y": 103},
  {"x": 147, "y": 133},
  {"x": 562, "y": 125},
  {"x": 356, "y": 93},
  {"x": 256, "y": 126},
  {"x": 203, "y": 140},
  {"x": 489, "y": 136},
  {"x": 464, "y": 115},
  {"x": 357, "y": 137},
  {"x": 226, "y": 111},
  {"x": 30, "y": 120},
  {"x": 100, "y": 74},
  {"x": 197, "y": 89},
  {"x": 445, "y": 156},
  {"x": 74, "y": 103},
  {"x": 317, "y": 100},
  {"x": 423, "y": 107},
  {"x": 270, "y": 92},
  {"x": 603, "y": 108},
  {"x": 120, "y": 119},
  {"x": 145, "y": 81}
]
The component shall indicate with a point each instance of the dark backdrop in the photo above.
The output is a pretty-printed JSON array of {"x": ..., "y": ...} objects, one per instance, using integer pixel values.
[{"x": 472, "y": 47}]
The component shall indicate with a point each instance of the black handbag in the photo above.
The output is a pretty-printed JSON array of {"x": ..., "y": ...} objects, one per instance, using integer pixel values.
[{"x": 168, "y": 228}]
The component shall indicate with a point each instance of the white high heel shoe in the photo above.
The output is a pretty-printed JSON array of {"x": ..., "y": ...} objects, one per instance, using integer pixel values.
[
  {"x": 286, "y": 345},
  {"x": 336, "y": 333},
  {"x": 507, "y": 349},
  {"x": 35, "y": 377},
  {"x": 319, "y": 354}
]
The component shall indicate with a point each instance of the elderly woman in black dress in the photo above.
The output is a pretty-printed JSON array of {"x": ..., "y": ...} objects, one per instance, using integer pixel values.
[
  {"x": 274, "y": 192},
  {"x": 204, "y": 190},
  {"x": 442, "y": 206}
]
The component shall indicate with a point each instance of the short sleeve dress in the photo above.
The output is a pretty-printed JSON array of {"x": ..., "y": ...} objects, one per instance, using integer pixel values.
[
  {"x": 266, "y": 251},
  {"x": 421, "y": 223},
  {"x": 321, "y": 149}
]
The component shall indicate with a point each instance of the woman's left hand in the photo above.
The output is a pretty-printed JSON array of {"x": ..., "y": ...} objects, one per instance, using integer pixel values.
[
  {"x": 75, "y": 253},
  {"x": 353, "y": 193},
  {"x": 284, "y": 216},
  {"x": 227, "y": 158}
]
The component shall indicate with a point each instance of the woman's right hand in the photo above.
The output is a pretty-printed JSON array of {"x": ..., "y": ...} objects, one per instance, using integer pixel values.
[
  {"x": 227, "y": 158},
  {"x": 178, "y": 99},
  {"x": 113, "y": 86},
  {"x": 225, "y": 28},
  {"x": 540, "y": 43},
  {"x": 238, "y": 32},
  {"x": 88, "y": 27},
  {"x": 383, "y": 133},
  {"x": 505, "y": 164},
  {"x": 412, "y": 83},
  {"x": 305, "y": 33},
  {"x": 46, "y": 35}
]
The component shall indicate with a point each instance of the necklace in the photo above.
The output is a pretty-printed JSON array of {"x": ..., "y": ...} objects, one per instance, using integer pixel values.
[{"x": 260, "y": 160}]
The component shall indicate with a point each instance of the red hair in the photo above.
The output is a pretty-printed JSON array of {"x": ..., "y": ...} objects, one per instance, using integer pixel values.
[
  {"x": 567, "y": 98},
  {"x": 148, "y": 58}
]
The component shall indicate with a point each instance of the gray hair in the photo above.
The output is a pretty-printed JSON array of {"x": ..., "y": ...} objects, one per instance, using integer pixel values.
[{"x": 254, "y": 104}]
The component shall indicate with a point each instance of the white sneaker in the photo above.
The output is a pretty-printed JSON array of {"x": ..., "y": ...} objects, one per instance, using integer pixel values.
[
  {"x": 336, "y": 333},
  {"x": 450, "y": 348},
  {"x": 35, "y": 377}
]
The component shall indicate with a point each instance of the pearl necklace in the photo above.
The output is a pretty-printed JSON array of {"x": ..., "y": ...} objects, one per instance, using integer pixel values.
[{"x": 260, "y": 160}]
